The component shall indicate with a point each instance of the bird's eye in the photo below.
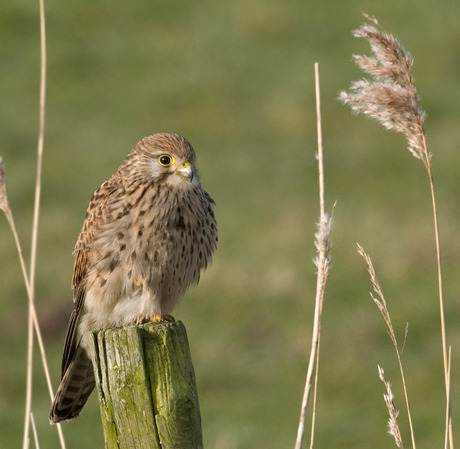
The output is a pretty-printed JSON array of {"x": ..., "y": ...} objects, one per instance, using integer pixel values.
[{"x": 165, "y": 160}]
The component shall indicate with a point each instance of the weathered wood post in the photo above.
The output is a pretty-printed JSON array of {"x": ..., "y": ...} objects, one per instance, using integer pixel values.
[{"x": 146, "y": 387}]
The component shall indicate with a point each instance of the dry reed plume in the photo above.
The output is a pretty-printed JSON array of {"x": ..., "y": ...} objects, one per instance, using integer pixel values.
[{"x": 391, "y": 98}]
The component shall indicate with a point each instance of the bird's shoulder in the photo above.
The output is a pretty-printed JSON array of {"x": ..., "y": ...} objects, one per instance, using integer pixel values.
[{"x": 100, "y": 210}]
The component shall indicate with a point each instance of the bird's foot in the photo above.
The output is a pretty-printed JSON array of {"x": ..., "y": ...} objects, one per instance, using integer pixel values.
[{"x": 162, "y": 318}]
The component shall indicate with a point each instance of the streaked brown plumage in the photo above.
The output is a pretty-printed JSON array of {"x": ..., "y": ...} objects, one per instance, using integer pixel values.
[{"x": 149, "y": 231}]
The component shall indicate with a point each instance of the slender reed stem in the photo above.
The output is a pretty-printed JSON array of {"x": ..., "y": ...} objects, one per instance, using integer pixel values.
[
  {"x": 320, "y": 142},
  {"x": 447, "y": 437},
  {"x": 34, "y": 430},
  {"x": 9, "y": 217},
  {"x": 427, "y": 163},
  {"x": 30, "y": 281},
  {"x": 28, "y": 411},
  {"x": 319, "y": 133},
  {"x": 406, "y": 397},
  {"x": 438, "y": 259},
  {"x": 315, "y": 387},
  {"x": 308, "y": 381},
  {"x": 41, "y": 139},
  {"x": 12, "y": 224},
  {"x": 323, "y": 265},
  {"x": 33, "y": 255}
]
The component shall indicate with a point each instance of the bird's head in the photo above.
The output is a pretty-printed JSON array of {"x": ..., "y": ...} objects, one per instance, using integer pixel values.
[{"x": 167, "y": 158}]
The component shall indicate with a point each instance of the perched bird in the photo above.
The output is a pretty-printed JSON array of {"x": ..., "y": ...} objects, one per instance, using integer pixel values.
[{"x": 149, "y": 231}]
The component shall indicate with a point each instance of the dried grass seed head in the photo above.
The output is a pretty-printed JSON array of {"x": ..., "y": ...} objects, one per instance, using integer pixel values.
[
  {"x": 390, "y": 97},
  {"x": 3, "y": 194},
  {"x": 323, "y": 243},
  {"x": 393, "y": 426},
  {"x": 391, "y": 62}
]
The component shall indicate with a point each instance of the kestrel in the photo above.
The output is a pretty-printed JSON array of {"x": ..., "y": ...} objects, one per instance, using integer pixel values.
[{"x": 149, "y": 231}]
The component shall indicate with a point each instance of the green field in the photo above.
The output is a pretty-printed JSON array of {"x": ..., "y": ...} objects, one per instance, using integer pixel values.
[{"x": 237, "y": 80}]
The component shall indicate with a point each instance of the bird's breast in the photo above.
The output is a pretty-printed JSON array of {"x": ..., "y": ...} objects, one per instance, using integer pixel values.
[{"x": 144, "y": 261}]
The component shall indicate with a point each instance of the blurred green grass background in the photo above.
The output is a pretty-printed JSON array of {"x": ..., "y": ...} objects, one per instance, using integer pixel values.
[{"x": 237, "y": 80}]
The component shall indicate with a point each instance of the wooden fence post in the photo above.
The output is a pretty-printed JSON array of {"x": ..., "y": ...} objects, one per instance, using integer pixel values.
[{"x": 146, "y": 387}]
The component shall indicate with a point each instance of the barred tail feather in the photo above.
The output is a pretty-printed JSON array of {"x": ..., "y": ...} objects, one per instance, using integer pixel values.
[{"x": 76, "y": 385}]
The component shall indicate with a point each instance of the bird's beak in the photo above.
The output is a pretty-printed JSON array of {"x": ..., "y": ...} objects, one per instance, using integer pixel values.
[{"x": 185, "y": 170}]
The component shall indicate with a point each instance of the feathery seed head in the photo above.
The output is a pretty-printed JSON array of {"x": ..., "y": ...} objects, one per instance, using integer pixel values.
[
  {"x": 3, "y": 195},
  {"x": 393, "y": 426},
  {"x": 390, "y": 96}
]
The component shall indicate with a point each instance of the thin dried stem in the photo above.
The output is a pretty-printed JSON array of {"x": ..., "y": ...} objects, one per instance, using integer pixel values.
[
  {"x": 322, "y": 262},
  {"x": 33, "y": 255},
  {"x": 4, "y": 205},
  {"x": 447, "y": 436},
  {"x": 315, "y": 390},
  {"x": 34, "y": 431},
  {"x": 439, "y": 267},
  {"x": 28, "y": 410},
  {"x": 382, "y": 305},
  {"x": 30, "y": 280},
  {"x": 322, "y": 214},
  {"x": 320, "y": 143},
  {"x": 30, "y": 327}
]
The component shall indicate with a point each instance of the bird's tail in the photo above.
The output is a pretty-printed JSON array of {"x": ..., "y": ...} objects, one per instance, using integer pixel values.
[{"x": 76, "y": 385}]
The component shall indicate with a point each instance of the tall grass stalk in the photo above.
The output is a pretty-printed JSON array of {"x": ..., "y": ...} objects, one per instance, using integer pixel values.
[
  {"x": 322, "y": 262},
  {"x": 391, "y": 98},
  {"x": 34, "y": 430},
  {"x": 448, "y": 405},
  {"x": 29, "y": 278},
  {"x": 33, "y": 253}
]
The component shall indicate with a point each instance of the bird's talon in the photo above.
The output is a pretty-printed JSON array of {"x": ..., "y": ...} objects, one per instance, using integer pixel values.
[{"x": 162, "y": 318}]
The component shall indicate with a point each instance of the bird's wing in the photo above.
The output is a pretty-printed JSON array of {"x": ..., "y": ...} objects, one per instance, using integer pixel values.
[
  {"x": 97, "y": 213},
  {"x": 70, "y": 345}
]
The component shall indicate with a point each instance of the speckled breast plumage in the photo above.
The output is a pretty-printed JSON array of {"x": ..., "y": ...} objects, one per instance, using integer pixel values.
[{"x": 143, "y": 263}]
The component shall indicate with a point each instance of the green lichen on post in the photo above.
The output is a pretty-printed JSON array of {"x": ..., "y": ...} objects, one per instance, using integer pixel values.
[
  {"x": 146, "y": 387},
  {"x": 173, "y": 388}
]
